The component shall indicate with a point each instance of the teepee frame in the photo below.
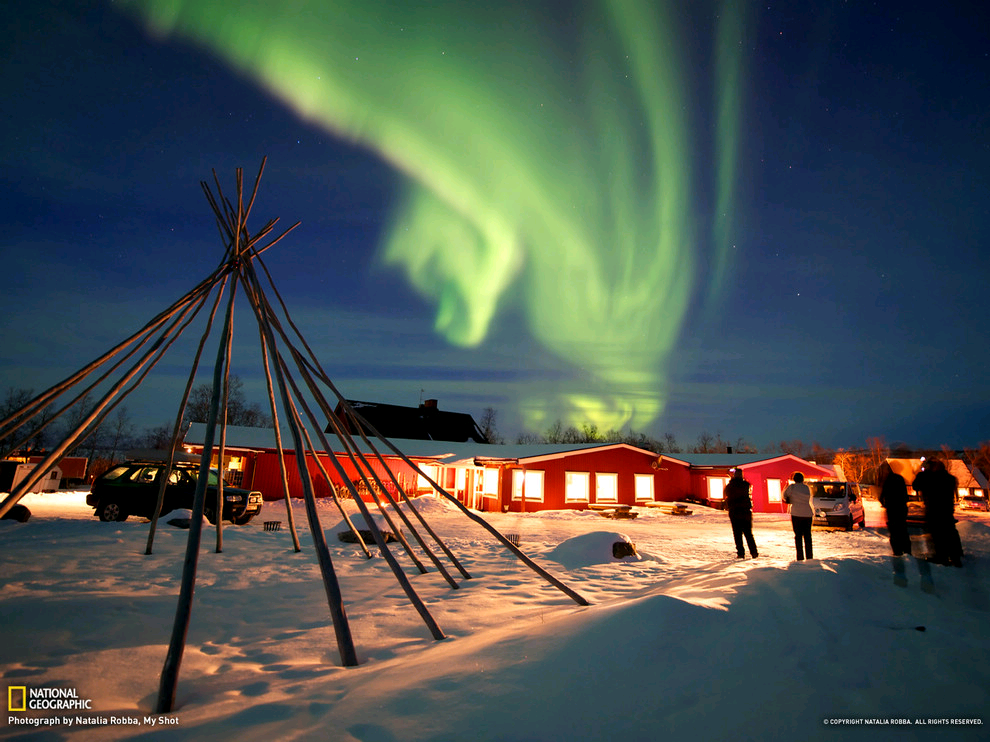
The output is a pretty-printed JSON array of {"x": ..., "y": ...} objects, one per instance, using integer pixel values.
[{"x": 287, "y": 360}]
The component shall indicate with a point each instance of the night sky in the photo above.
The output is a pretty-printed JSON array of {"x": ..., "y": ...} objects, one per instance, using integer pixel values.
[{"x": 766, "y": 220}]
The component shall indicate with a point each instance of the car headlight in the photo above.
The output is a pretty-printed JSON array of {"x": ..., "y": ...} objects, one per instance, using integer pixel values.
[{"x": 232, "y": 498}]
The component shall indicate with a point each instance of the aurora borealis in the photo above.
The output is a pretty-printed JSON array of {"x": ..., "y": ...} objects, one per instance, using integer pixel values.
[{"x": 550, "y": 159}]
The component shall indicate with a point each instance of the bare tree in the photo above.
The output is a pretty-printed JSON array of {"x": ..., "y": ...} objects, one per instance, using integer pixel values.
[
  {"x": 34, "y": 430},
  {"x": 119, "y": 432},
  {"x": 670, "y": 443},
  {"x": 979, "y": 457},
  {"x": 877, "y": 452},
  {"x": 239, "y": 411},
  {"x": 854, "y": 464},
  {"x": 489, "y": 426},
  {"x": 796, "y": 448},
  {"x": 705, "y": 443},
  {"x": 159, "y": 437},
  {"x": 744, "y": 446}
]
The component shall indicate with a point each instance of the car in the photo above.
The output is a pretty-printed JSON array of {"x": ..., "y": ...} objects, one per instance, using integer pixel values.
[
  {"x": 132, "y": 489},
  {"x": 973, "y": 502},
  {"x": 837, "y": 504}
]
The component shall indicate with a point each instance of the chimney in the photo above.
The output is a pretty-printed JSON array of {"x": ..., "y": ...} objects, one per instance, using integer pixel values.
[
  {"x": 429, "y": 404},
  {"x": 728, "y": 449}
]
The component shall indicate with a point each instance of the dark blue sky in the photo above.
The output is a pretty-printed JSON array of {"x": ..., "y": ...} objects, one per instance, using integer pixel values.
[{"x": 852, "y": 302}]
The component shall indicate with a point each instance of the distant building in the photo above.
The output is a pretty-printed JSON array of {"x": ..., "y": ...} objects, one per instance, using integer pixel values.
[
  {"x": 515, "y": 477},
  {"x": 424, "y": 423},
  {"x": 969, "y": 479}
]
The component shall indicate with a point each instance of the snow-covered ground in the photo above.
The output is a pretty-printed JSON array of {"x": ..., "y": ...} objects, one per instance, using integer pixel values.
[{"x": 683, "y": 642}]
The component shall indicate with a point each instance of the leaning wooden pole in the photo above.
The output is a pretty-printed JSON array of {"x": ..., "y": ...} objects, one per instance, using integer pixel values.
[
  {"x": 176, "y": 430},
  {"x": 183, "y": 612},
  {"x": 569, "y": 592},
  {"x": 322, "y": 376},
  {"x": 341, "y": 626},
  {"x": 278, "y": 442},
  {"x": 147, "y": 362},
  {"x": 400, "y": 576}
]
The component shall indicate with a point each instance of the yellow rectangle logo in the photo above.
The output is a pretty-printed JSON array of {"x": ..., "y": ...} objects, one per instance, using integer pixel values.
[{"x": 17, "y": 698}]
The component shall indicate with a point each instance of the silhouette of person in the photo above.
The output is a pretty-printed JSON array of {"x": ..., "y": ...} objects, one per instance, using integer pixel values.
[
  {"x": 893, "y": 499},
  {"x": 740, "y": 507},
  {"x": 798, "y": 497},
  {"x": 938, "y": 490}
]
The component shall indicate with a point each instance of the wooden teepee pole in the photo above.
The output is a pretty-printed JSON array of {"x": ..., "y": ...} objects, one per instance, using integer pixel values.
[
  {"x": 278, "y": 443},
  {"x": 99, "y": 411},
  {"x": 177, "y": 429},
  {"x": 173, "y": 659}
]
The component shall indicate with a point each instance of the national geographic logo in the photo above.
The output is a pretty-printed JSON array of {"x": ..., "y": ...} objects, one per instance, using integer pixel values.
[
  {"x": 22, "y": 698},
  {"x": 16, "y": 698}
]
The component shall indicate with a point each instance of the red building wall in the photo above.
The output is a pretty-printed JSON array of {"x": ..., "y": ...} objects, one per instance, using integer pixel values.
[
  {"x": 623, "y": 461},
  {"x": 757, "y": 474},
  {"x": 263, "y": 474}
]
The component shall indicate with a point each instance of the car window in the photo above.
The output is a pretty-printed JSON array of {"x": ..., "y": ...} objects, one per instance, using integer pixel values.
[
  {"x": 116, "y": 472},
  {"x": 824, "y": 490},
  {"x": 144, "y": 475}
]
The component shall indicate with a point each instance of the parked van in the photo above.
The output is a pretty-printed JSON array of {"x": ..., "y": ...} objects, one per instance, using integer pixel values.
[{"x": 838, "y": 504}]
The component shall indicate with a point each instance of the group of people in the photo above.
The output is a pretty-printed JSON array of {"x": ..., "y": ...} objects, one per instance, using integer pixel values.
[
  {"x": 938, "y": 492},
  {"x": 740, "y": 506},
  {"x": 936, "y": 485}
]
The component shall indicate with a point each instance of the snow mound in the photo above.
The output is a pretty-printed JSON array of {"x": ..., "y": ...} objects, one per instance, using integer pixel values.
[
  {"x": 597, "y": 547},
  {"x": 427, "y": 505},
  {"x": 973, "y": 532}
]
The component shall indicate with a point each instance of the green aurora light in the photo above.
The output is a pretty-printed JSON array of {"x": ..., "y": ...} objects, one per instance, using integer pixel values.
[{"x": 548, "y": 150}]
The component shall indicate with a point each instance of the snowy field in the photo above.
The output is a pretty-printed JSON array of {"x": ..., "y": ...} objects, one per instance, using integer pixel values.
[{"x": 683, "y": 642}]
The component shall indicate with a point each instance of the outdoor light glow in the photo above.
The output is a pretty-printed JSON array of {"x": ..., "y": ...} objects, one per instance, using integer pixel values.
[{"x": 553, "y": 155}]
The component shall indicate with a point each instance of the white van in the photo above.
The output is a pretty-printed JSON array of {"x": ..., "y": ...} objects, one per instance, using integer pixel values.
[{"x": 837, "y": 504}]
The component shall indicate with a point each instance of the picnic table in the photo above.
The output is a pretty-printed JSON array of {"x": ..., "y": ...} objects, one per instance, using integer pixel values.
[
  {"x": 613, "y": 510},
  {"x": 672, "y": 508}
]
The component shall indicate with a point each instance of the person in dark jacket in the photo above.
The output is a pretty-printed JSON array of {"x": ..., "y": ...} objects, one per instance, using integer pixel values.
[
  {"x": 938, "y": 490},
  {"x": 740, "y": 507},
  {"x": 893, "y": 499}
]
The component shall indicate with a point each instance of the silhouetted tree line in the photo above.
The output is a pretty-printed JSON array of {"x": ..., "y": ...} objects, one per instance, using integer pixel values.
[{"x": 106, "y": 443}]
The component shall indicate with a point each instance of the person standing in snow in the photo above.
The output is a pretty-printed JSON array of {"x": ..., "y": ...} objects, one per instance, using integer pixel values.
[
  {"x": 938, "y": 490},
  {"x": 740, "y": 507},
  {"x": 798, "y": 497},
  {"x": 893, "y": 499}
]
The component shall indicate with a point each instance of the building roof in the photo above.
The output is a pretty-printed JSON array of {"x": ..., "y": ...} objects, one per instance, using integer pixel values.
[
  {"x": 729, "y": 460},
  {"x": 446, "y": 452},
  {"x": 426, "y": 422}
]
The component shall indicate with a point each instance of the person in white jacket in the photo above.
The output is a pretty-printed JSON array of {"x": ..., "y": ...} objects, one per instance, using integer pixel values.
[{"x": 798, "y": 497}]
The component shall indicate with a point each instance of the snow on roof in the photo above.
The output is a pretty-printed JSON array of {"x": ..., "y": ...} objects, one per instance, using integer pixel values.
[
  {"x": 962, "y": 473},
  {"x": 450, "y": 453},
  {"x": 728, "y": 460}
]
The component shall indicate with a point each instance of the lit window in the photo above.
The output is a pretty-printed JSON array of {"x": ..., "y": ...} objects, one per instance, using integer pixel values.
[
  {"x": 773, "y": 490},
  {"x": 576, "y": 486},
  {"x": 644, "y": 486},
  {"x": 716, "y": 487},
  {"x": 490, "y": 486},
  {"x": 422, "y": 482},
  {"x": 527, "y": 484},
  {"x": 606, "y": 487},
  {"x": 963, "y": 491},
  {"x": 534, "y": 485},
  {"x": 518, "y": 477},
  {"x": 461, "y": 480}
]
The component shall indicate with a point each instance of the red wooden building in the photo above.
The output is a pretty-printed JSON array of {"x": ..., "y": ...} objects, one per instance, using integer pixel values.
[{"x": 522, "y": 478}]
